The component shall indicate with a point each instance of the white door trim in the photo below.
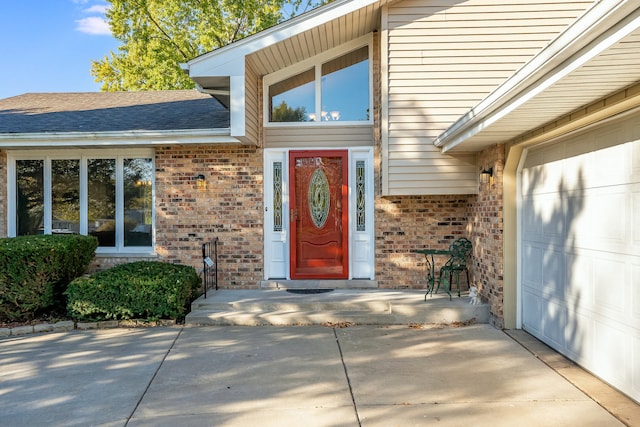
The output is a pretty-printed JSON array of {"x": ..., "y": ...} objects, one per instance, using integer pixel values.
[{"x": 276, "y": 241}]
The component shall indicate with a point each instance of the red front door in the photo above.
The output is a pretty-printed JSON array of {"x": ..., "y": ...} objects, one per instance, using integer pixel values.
[{"x": 319, "y": 214}]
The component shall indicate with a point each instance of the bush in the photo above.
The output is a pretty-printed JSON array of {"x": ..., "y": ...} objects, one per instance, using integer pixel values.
[
  {"x": 141, "y": 290},
  {"x": 35, "y": 271}
]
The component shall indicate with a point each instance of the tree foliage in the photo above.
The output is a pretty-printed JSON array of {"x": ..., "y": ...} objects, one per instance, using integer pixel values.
[
  {"x": 158, "y": 35},
  {"x": 284, "y": 113}
]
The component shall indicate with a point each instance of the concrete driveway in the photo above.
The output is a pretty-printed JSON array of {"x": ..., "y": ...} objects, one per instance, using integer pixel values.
[{"x": 285, "y": 376}]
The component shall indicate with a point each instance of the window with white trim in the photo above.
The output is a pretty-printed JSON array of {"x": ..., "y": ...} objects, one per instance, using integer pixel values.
[
  {"x": 103, "y": 194},
  {"x": 334, "y": 87}
]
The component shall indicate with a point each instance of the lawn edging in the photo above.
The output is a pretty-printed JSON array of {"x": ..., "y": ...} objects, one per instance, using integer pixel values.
[{"x": 70, "y": 325}]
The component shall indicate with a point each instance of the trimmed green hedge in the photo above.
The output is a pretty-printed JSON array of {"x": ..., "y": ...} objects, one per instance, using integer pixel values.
[
  {"x": 35, "y": 271},
  {"x": 139, "y": 290}
]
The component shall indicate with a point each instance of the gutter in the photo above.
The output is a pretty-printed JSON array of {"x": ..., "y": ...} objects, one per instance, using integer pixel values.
[
  {"x": 585, "y": 38},
  {"x": 114, "y": 138}
]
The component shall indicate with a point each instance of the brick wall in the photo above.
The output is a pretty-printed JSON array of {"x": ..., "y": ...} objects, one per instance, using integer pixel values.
[
  {"x": 230, "y": 208},
  {"x": 3, "y": 193},
  {"x": 405, "y": 224},
  {"x": 487, "y": 234}
]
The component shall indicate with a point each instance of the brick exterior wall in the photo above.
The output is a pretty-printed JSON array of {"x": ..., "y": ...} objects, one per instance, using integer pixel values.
[
  {"x": 486, "y": 234},
  {"x": 231, "y": 208},
  {"x": 405, "y": 224},
  {"x": 3, "y": 194}
]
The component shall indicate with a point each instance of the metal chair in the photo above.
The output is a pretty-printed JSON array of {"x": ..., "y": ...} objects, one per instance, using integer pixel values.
[{"x": 457, "y": 263}]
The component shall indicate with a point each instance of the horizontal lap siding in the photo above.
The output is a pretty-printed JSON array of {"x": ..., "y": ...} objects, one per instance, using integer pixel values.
[
  {"x": 318, "y": 136},
  {"x": 251, "y": 105},
  {"x": 442, "y": 60}
]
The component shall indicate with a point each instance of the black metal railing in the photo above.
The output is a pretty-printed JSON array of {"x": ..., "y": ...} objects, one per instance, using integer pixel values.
[{"x": 210, "y": 264}]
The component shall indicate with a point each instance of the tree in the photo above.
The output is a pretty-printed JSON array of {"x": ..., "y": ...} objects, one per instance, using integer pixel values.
[
  {"x": 284, "y": 113},
  {"x": 157, "y": 35}
]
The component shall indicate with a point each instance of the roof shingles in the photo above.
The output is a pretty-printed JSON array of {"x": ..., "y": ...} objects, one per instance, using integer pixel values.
[{"x": 111, "y": 112}]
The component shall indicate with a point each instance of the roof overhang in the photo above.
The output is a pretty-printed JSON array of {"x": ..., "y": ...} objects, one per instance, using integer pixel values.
[
  {"x": 51, "y": 140},
  {"x": 221, "y": 73},
  {"x": 325, "y": 21},
  {"x": 595, "y": 61}
]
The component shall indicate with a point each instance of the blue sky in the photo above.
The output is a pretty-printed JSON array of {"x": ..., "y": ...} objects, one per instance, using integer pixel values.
[{"x": 48, "y": 45}]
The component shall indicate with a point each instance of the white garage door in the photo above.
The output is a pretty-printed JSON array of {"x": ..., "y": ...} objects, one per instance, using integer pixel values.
[{"x": 580, "y": 250}]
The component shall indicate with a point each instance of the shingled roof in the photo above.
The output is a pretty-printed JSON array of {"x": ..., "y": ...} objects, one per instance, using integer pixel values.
[{"x": 111, "y": 112}]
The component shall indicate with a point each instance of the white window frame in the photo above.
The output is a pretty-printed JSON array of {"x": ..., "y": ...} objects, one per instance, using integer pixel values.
[
  {"x": 316, "y": 63},
  {"x": 83, "y": 156}
]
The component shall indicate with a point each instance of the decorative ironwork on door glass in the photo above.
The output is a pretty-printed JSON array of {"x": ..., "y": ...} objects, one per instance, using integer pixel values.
[
  {"x": 277, "y": 196},
  {"x": 360, "y": 196},
  {"x": 319, "y": 198}
]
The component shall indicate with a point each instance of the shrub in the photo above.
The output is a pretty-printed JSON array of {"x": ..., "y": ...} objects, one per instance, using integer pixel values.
[
  {"x": 143, "y": 290},
  {"x": 35, "y": 271}
]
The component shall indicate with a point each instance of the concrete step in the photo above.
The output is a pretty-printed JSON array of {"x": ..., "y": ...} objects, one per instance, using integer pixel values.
[
  {"x": 318, "y": 283},
  {"x": 363, "y": 307}
]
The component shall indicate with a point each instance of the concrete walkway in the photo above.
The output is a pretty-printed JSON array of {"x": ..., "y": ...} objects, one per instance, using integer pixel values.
[{"x": 285, "y": 376}]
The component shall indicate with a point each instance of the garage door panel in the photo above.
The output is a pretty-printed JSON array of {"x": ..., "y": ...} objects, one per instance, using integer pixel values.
[
  {"x": 580, "y": 248},
  {"x": 579, "y": 338},
  {"x": 635, "y": 156},
  {"x": 532, "y": 312},
  {"x": 554, "y": 322},
  {"x": 532, "y": 270},
  {"x": 547, "y": 216},
  {"x": 634, "y": 300},
  {"x": 635, "y": 367},
  {"x": 580, "y": 289},
  {"x": 612, "y": 160},
  {"x": 543, "y": 179},
  {"x": 598, "y": 219},
  {"x": 635, "y": 215},
  {"x": 610, "y": 286},
  {"x": 611, "y": 353},
  {"x": 577, "y": 172},
  {"x": 531, "y": 223},
  {"x": 553, "y": 275}
]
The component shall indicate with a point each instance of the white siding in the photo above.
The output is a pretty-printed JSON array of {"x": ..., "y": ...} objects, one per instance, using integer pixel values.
[
  {"x": 441, "y": 60},
  {"x": 252, "y": 117},
  {"x": 318, "y": 136}
]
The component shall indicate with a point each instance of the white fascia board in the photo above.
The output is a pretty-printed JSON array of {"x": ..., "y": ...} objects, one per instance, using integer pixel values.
[
  {"x": 589, "y": 36},
  {"x": 107, "y": 139},
  {"x": 226, "y": 66},
  {"x": 237, "y": 106},
  {"x": 232, "y": 55}
]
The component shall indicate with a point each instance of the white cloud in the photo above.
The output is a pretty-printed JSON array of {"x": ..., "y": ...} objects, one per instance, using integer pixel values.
[
  {"x": 98, "y": 8},
  {"x": 93, "y": 25}
]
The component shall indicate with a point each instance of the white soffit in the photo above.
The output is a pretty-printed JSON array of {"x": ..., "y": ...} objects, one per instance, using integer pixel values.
[
  {"x": 608, "y": 63},
  {"x": 291, "y": 41}
]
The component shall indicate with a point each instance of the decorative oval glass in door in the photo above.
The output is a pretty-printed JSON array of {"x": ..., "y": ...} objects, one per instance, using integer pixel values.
[{"x": 319, "y": 198}]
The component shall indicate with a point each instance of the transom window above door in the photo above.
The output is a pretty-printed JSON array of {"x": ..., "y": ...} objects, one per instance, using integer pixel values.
[{"x": 326, "y": 89}]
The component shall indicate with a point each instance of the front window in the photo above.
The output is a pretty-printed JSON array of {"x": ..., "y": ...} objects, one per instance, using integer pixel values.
[
  {"x": 110, "y": 197},
  {"x": 65, "y": 196},
  {"x": 334, "y": 89},
  {"x": 293, "y": 99},
  {"x": 30, "y": 197},
  {"x": 102, "y": 201},
  {"x": 345, "y": 93},
  {"x": 138, "y": 174}
]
